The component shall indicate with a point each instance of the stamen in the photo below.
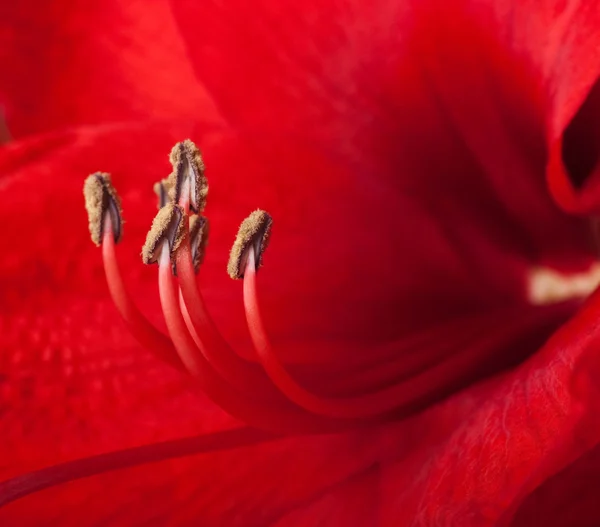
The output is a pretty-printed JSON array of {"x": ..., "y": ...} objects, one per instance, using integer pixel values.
[
  {"x": 369, "y": 405},
  {"x": 139, "y": 326},
  {"x": 254, "y": 232},
  {"x": 188, "y": 184},
  {"x": 168, "y": 226},
  {"x": 239, "y": 387},
  {"x": 188, "y": 321},
  {"x": 199, "y": 230},
  {"x": 104, "y": 209},
  {"x": 245, "y": 376},
  {"x": 161, "y": 189},
  {"x": 21, "y": 486},
  {"x": 402, "y": 398},
  {"x": 100, "y": 199},
  {"x": 274, "y": 416}
]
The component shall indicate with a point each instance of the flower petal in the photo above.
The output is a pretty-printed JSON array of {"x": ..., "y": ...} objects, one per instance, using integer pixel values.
[
  {"x": 50, "y": 371},
  {"x": 62, "y": 366},
  {"x": 247, "y": 486},
  {"x": 69, "y": 63},
  {"x": 313, "y": 279},
  {"x": 571, "y": 69},
  {"x": 467, "y": 461},
  {"x": 569, "y": 498},
  {"x": 447, "y": 102},
  {"x": 573, "y": 169},
  {"x": 509, "y": 435}
]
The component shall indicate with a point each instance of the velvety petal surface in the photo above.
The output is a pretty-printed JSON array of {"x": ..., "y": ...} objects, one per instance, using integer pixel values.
[
  {"x": 469, "y": 460},
  {"x": 573, "y": 166},
  {"x": 69, "y": 63},
  {"x": 432, "y": 166},
  {"x": 438, "y": 99},
  {"x": 329, "y": 54},
  {"x": 569, "y": 498},
  {"x": 74, "y": 383},
  {"x": 516, "y": 432}
]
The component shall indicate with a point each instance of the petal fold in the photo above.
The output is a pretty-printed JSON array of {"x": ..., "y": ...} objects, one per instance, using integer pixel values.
[{"x": 68, "y": 64}]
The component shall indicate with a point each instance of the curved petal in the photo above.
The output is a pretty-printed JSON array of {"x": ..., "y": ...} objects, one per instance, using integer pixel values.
[
  {"x": 69, "y": 63},
  {"x": 573, "y": 169},
  {"x": 436, "y": 98},
  {"x": 537, "y": 439},
  {"x": 466, "y": 461},
  {"x": 343, "y": 59},
  {"x": 315, "y": 286},
  {"x": 59, "y": 360},
  {"x": 571, "y": 69},
  {"x": 238, "y": 487},
  {"x": 315, "y": 289},
  {"x": 512, "y": 434},
  {"x": 569, "y": 498}
]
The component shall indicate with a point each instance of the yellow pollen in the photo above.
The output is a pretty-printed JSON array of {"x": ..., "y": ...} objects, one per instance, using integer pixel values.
[
  {"x": 102, "y": 198},
  {"x": 168, "y": 226},
  {"x": 255, "y": 230}
]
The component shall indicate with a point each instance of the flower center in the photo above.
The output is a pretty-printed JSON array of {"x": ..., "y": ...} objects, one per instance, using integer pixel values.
[
  {"x": 271, "y": 397},
  {"x": 263, "y": 392}
]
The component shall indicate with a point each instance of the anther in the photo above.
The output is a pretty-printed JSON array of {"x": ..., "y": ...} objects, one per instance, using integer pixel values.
[
  {"x": 101, "y": 199},
  {"x": 168, "y": 227},
  {"x": 253, "y": 232},
  {"x": 161, "y": 189},
  {"x": 199, "y": 229},
  {"x": 187, "y": 182}
]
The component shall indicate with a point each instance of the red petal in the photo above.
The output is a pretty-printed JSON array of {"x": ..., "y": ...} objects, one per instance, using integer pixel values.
[
  {"x": 571, "y": 67},
  {"x": 507, "y": 437},
  {"x": 354, "y": 503},
  {"x": 440, "y": 99},
  {"x": 407, "y": 259},
  {"x": 248, "y": 486},
  {"x": 569, "y": 498},
  {"x": 465, "y": 462},
  {"x": 536, "y": 439},
  {"x": 574, "y": 170},
  {"x": 68, "y": 63},
  {"x": 328, "y": 294}
]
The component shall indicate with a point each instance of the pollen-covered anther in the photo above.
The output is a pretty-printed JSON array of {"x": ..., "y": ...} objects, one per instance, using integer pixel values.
[
  {"x": 187, "y": 182},
  {"x": 199, "y": 230},
  {"x": 168, "y": 227},
  {"x": 253, "y": 232},
  {"x": 101, "y": 199},
  {"x": 161, "y": 189}
]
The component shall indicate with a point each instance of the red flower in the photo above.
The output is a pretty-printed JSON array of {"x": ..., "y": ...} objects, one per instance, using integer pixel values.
[{"x": 401, "y": 149}]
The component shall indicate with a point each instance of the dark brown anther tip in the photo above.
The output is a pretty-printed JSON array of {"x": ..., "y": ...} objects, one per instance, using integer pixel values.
[
  {"x": 168, "y": 226},
  {"x": 101, "y": 198},
  {"x": 188, "y": 170},
  {"x": 199, "y": 229},
  {"x": 254, "y": 231},
  {"x": 161, "y": 189}
]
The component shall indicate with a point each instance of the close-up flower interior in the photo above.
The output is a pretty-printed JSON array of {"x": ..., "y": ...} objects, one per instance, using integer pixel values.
[{"x": 295, "y": 263}]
